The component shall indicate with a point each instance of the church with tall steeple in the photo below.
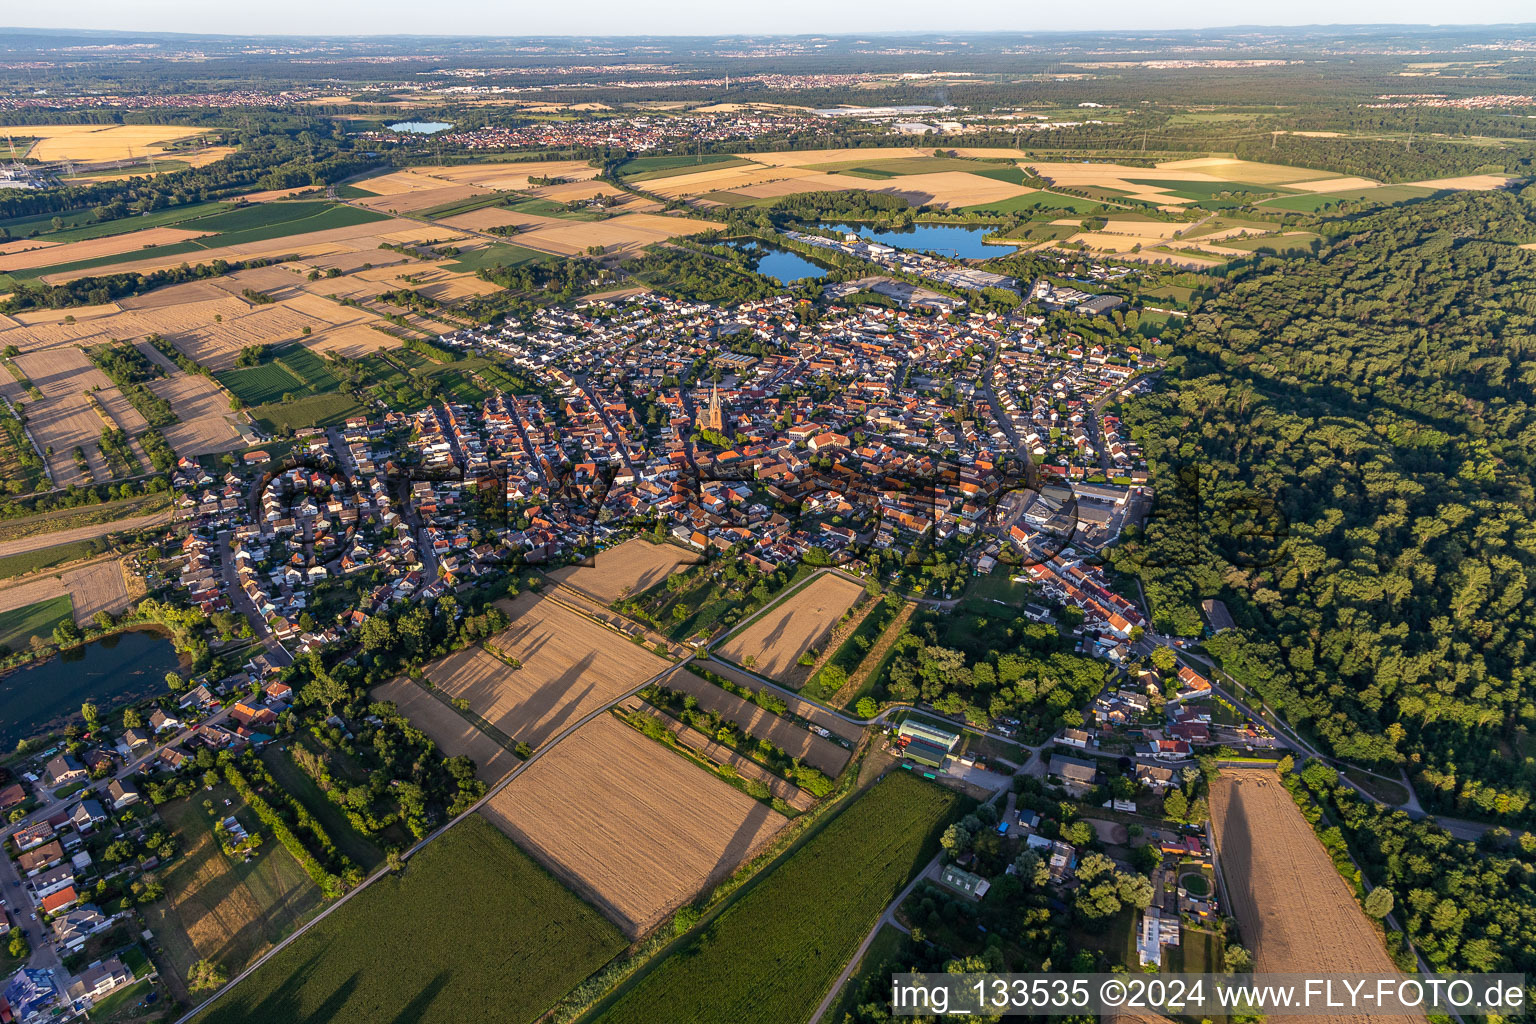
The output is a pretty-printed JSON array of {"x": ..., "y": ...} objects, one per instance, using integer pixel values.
[{"x": 714, "y": 419}]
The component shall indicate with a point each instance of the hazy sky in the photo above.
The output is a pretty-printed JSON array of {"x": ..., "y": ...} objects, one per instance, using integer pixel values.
[{"x": 711, "y": 17}]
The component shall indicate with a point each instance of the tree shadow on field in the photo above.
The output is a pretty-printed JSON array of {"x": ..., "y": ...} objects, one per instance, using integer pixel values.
[
  {"x": 1237, "y": 867},
  {"x": 285, "y": 1002},
  {"x": 416, "y": 1009},
  {"x": 557, "y": 699},
  {"x": 741, "y": 842}
]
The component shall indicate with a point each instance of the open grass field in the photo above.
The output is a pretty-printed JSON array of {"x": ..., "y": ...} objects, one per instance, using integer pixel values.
[
  {"x": 570, "y": 665},
  {"x": 314, "y": 411},
  {"x": 775, "y": 639},
  {"x": 636, "y": 828},
  {"x": 221, "y": 908},
  {"x": 1293, "y": 910},
  {"x": 448, "y": 729},
  {"x": 471, "y": 930},
  {"x": 93, "y": 142},
  {"x": 358, "y": 848},
  {"x": 793, "y": 739},
  {"x": 33, "y": 558},
  {"x": 82, "y": 224},
  {"x": 772, "y": 955},
  {"x": 18, "y": 625},
  {"x": 496, "y": 254},
  {"x": 631, "y": 568}
]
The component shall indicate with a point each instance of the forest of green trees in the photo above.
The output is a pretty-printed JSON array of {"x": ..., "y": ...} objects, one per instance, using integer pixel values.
[{"x": 1344, "y": 450}]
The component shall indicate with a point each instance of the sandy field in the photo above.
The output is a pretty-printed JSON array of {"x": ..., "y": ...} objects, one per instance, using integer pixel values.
[
  {"x": 90, "y": 142},
  {"x": 811, "y": 749},
  {"x": 1469, "y": 183},
  {"x": 111, "y": 245},
  {"x": 631, "y": 568},
  {"x": 631, "y": 826},
  {"x": 777, "y": 638},
  {"x": 448, "y": 729},
  {"x": 95, "y": 588},
  {"x": 1293, "y": 909},
  {"x": 1333, "y": 185},
  {"x": 570, "y": 666}
]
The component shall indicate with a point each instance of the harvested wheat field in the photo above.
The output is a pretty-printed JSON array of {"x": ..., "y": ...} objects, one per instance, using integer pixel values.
[
  {"x": 775, "y": 640},
  {"x": 631, "y": 568},
  {"x": 205, "y": 425},
  {"x": 949, "y": 189},
  {"x": 572, "y": 191},
  {"x": 63, "y": 419},
  {"x": 1467, "y": 183},
  {"x": 624, "y": 233},
  {"x": 89, "y": 142},
  {"x": 570, "y": 666},
  {"x": 96, "y": 248},
  {"x": 453, "y": 735},
  {"x": 99, "y": 587},
  {"x": 634, "y": 828},
  {"x": 821, "y": 754},
  {"x": 512, "y": 176},
  {"x": 353, "y": 238},
  {"x": 1293, "y": 909}
]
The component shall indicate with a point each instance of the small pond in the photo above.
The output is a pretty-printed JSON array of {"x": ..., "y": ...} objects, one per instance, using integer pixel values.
[{"x": 111, "y": 672}]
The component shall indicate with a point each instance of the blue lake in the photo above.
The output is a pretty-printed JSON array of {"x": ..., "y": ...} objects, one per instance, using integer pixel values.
[
  {"x": 780, "y": 264},
  {"x": 945, "y": 239},
  {"x": 117, "y": 670},
  {"x": 420, "y": 127}
]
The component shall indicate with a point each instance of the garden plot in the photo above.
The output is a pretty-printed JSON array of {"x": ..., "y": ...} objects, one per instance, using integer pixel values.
[{"x": 821, "y": 754}]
